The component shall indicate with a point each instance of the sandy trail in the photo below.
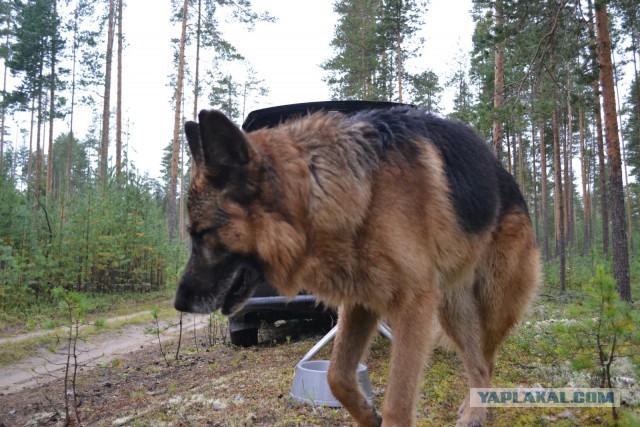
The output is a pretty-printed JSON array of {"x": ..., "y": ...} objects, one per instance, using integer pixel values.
[
  {"x": 61, "y": 331},
  {"x": 101, "y": 348}
]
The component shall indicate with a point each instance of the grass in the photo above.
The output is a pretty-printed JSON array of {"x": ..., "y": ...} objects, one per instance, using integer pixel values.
[
  {"x": 42, "y": 313},
  {"x": 12, "y": 352},
  {"x": 236, "y": 386}
]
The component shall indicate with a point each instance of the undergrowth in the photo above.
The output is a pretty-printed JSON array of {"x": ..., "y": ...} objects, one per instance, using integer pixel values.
[{"x": 43, "y": 313}]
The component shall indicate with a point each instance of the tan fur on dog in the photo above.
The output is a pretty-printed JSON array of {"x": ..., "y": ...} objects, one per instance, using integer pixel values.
[{"x": 374, "y": 234}]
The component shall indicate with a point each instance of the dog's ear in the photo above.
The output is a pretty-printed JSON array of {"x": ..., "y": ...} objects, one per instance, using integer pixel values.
[
  {"x": 223, "y": 144},
  {"x": 192, "y": 131}
]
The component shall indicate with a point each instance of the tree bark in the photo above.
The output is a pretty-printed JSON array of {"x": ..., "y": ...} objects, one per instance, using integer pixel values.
[
  {"x": 106, "y": 107},
  {"x": 534, "y": 179},
  {"x": 509, "y": 164},
  {"x": 619, "y": 235},
  {"x": 4, "y": 109},
  {"x": 544, "y": 196},
  {"x": 559, "y": 200},
  {"x": 175, "y": 147},
  {"x": 30, "y": 158},
  {"x": 399, "y": 61},
  {"x": 73, "y": 104},
  {"x": 181, "y": 222},
  {"x": 604, "y": 207},
  {"x": 498, "y": 90},
  {"x": 567, "y": 181},
  {"x": 52, "y": 104},
  {"x": 624, "y": 158},
  {"x": 585, "y": 195},
  {"x": 521, "y": 164},
  {"x": 196, "y": 80},
  {"x": 38, "y": 136},
  {"x": 119, "y": 97}
]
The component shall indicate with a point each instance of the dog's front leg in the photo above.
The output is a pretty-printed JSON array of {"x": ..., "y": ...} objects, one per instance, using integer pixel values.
[
  {"x": 413, "y": 326},
  {"x": 355, "y": 330}
]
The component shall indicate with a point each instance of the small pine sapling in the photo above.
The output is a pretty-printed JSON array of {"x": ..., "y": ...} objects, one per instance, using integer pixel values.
[{"x": 605, "y": 329}]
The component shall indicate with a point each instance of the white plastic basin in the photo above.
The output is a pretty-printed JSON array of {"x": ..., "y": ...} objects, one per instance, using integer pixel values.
[{"x": 310, "y": 384}]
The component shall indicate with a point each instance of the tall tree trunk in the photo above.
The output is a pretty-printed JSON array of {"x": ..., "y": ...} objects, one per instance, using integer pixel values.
[
  {"x": 598, "y": 116},
  {"x": 30, "y": 158},
  {"x": 175, "y": 147},
  {"x": 559, "y": 200},
  {"x": 567, "y": 181},
  {"x": 521, "y": 163},
  {"x": 119, "y": 97},
  {"x": 534, "y": 181},
  {"x": 634, "y": 47},
  {"x": 545, "y": 197},
  {"x": 38, "y": 138},
  {"x": 399, "y": 64},
  {"x": 514, "y": 152},
  {"x": 106, "y": 108},
  {"x": 498, "y": 89},
  {"x": 181, "y": 223},
  {"x": 363, "y": 60},
  {"x": 4, "y": 108},
  {"x": 624, "y": 156},
  {"x": 73, "y": 104},
  {"x": 196, "y": 81},
  {"x": 584, "y": 175},
  {"x": 52, "y": 104},
  {"x": 509, "y": 164},
  {"x": 619, "y": 235}
]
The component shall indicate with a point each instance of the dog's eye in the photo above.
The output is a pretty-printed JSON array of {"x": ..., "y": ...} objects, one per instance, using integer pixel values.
[{"x": 199, "y": 235}]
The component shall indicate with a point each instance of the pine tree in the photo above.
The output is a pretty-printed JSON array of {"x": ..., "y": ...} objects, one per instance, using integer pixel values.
[
  {"x": 106, "y": 106},
  {"x": 120, "y": 7},
  {"x": 354, "y": 70},
  {"x": 498, "y": 87},
  {"x": 225, "y": 96},
  {"x": 400, "y": 20},
  {"x": 53, "y": 83},
  {"x": 5, "y": 34},
  {"x": 372, "y": 43},
  {"x": 619, "y": 236},
  {"x": 595, "y": 82},
  {"x": 425, "y": 91}
]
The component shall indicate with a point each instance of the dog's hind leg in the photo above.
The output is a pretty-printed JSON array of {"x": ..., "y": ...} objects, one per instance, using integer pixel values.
[
  {"x": 460, "y": 319},
  {"x": 511, "y": 272},
  {"x": 356, "y": 326},
  {"x": 413, "y": 324}
]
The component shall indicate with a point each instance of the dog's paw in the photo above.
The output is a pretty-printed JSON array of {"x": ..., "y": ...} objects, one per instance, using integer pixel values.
[
  {"x": 463, "y": 407},
  {"x": 472, "y": 417}
]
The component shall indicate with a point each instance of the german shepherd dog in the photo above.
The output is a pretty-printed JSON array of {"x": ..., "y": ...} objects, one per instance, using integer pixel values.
[{"x": 394, "y": 214}]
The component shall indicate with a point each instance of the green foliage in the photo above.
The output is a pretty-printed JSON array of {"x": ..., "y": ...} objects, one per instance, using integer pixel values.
[
  {"x": 426, "y": 91},
  {"x": 372, "y": 42},
  {"x": 631, "y": 130},
  {"x": 603, "y": 327},
  {"x": 73, "y": 304},
  {"x": 91, "y": 238},
  {"x": 225, "y": 95}
]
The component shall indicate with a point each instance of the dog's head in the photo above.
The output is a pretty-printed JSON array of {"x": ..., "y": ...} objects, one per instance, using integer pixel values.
[{"x": 223, "y": 270}]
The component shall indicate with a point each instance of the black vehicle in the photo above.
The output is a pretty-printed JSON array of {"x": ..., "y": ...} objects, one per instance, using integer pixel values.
[{"x": 266, "y": 305}]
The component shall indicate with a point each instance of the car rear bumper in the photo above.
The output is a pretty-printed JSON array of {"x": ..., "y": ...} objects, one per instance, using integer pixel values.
[
  {"x": 274, "y": 308},
  {"x": 279, "y": 303}
]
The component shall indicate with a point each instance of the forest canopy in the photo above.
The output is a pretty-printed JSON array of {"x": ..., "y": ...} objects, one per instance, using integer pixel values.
[{"x": 552, "y": 87}]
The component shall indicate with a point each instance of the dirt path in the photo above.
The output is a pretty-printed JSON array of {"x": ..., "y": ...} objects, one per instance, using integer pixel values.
[
  {"x": 101, "y": 348},
  {"x": 61, "y": 330}
]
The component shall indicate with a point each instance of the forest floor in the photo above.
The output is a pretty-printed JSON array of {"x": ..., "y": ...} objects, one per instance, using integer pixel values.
[{"x": 125, "y": 380}]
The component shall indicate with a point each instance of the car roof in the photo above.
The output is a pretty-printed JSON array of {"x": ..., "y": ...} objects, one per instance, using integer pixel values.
[{"x": 273, "y": 116}]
